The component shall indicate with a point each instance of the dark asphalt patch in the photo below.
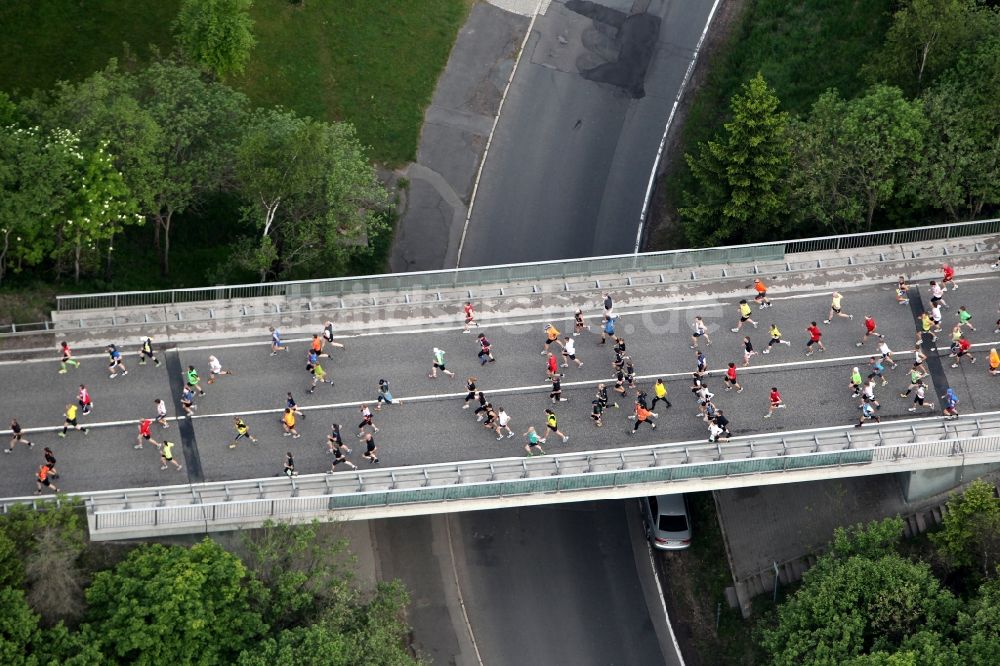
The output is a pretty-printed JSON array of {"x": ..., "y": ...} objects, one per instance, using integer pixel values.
[
  {"x": 192, "y": 459},
  {"x": 637, "y": 35},
  {"x": 938, "y": 376}
]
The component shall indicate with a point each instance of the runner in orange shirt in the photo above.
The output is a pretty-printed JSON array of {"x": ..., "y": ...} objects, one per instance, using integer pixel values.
[{"x": 761, "y": 298}]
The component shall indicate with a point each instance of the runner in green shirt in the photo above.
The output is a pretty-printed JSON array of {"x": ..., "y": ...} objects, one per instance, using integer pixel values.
[
  {"x": 167, "y": 456},
  {"x": 856, "y": 382},
  {"x": 192, "y": 380},
  {"x": 533, "y": 442},
  {"x": 965, "y": 318}
]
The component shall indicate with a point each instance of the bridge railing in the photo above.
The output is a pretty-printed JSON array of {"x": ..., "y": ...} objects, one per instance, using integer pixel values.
[
  {"x": 540, "y": 270},
  {"x": 228, "y": 504}
]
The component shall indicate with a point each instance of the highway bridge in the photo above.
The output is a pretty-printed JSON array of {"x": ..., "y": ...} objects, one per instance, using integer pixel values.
[{"x": 435, "y": 457}]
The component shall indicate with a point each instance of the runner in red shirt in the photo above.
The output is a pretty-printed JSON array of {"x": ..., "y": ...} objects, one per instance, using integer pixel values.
[
  {"x": 870, "y": 327},
  {"x": 814, "y": 338},
  {"x": 83, "y": 399},
  {"x": 730, "y": 379},
  {"x": 963, "y": 350},
  {"x": 67, "y": 358},
  {"x": 470, "y": 317},
  {"x": 949, "y": 277},
  {"x": 776, "y": 402},
  {"x": 144, "y": 434},
  {"x": 553, "y": 366}
]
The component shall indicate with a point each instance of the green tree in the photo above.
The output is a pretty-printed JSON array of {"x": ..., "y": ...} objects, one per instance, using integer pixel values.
[
  {"x": 173, "y": 605},
  {"x": 860, "y": 599},
  {"x": 314, "y": 196},
  {"x": 927, "y": 37},
  {"x": 979, "y": 626},
  {"x": 346, "y": 634},
  {"x": 961, "y": 173},
  {"x": 741, "y": 176},
  {"x": 970, "y": 532},
  {"x": 18, "y": 629},
  {"x": 200, "y": 122},
  {"x": 216, "y": 34},
  {"x": 852, "y": 158}
]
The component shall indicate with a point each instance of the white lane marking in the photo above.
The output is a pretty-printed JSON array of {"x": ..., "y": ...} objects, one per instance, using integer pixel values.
[
  {"x": 663, "y": 602},
  {"x": 489, "y": 139},
  {"x": 666, "y": 131},
  {"x": 500, "y": 391},
  {"x": 458, "y": 590}
]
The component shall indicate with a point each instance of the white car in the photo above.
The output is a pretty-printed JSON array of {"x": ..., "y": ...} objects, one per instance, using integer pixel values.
[{"x": 666, "y": 521}]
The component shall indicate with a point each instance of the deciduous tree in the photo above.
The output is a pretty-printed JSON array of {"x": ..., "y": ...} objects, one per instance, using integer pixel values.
[
  {"x": 216, "y": 34},
  {"x": 970, "y": 532}
]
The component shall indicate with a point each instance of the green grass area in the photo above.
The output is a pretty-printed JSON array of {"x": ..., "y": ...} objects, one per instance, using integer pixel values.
[
  {"x": 373, "y": 63},
  {"x": 802, "y": 48}
]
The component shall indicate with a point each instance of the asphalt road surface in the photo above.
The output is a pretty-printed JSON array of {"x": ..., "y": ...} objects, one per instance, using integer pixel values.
[
  {"x": 571, "y": 154},
  {"x": 430, "y": 424}
]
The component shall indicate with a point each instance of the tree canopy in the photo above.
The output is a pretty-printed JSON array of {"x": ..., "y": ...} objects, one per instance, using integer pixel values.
[{"x": 216, "y": 34}]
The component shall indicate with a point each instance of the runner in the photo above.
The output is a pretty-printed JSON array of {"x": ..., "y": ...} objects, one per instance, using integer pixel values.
[
  {"x": 965, "y": 318},
  {"x": 371, "y": 451},
  {"x": 868, "y": 393},
  {"x": 144, "y": 434},
  {"x": 867, "y": 414},
  {"x": 918, "y": 359},
  {"x": 292, "y": 405},
  {"x": 814, "y": 338},
  {"x": 937, "y": 294},
  {"x": 161, "y": 413},
  {"x": 761, "y": 298},
  {"x": 70, "y": 421},
  {"x": 701, "y": 363},
  {"x": 950, "y": 404},
  {"x": 721, "y": 422},
  {"x": 551, "y": 335},
  {"x": 67, "y": 358},
  {"x": 609, "y": 306},
  {"x": 328, "y": 335},
  {"x": 167, "y": 456},
  {"x": 17, "y": 437},
  {"x": 534, "y": 442},
  {"x": 366, "y": 420},
  {"x": 901, "y": 291},
  {"x": 486, "y": 350},
  {"x": 963, "y": 351},
  {"x": 629, "y": 372},
  {"x": 602, "y": 395},
  {"x": 569, "y": 353},
  {"x": 994, "y": 362},
  {"x": 316, "y": 346},
  {"x": 730, "y": 379},
  {"x": 608, "y": 330},
  {"x": 334, "y": 441},
  {"x": 83, "y": 399},
  {"x": 555, "y": 395},
  {"x": 439, "y": 364},
  {"x": 289, "y": 469},
  {"x": 856, "y": 382},
  {"x": 748, "y": 351},
  {"x": 339, "y": 458},
  {"x": 948, "y": 278},
  {"x": 484, "y": 405},
  {"x": 744, "y": 317},
  {"x": 50, "y": 462},
  {"x": 700, "y": 331},
  {"x": 288, "y": 424},
  {"x": 870, "y": 326},
  {"x": 242, "y": 430},
  {"x": 146, "y": 351},
  {"x": 42, "y": 479},
  {"x": 915, "y": 380},
  {"x": 918, "y": 398},
  {"x": 503, "y": 423},
  {"x": 925, "y": 327},
  {"x": 620, "y": 383},
  {"x": 597, "y": 412},
  {"x": 642, "y": 415},
  {"x": 470, "y": 385},
  {"x": 552, "y": 425},
  {"x": 384, "y": 395},
  {"x": 660, "y": 393},
  {"x": 470, "y": 317},
  {"x": 192, "y": 379},
  {"x": 876, "y": 368},
  {"x": 116, "y": 363},
  {"x": 641, "y": 397},
  {"x": 775, "y": 339},
  {"x": 883, "y": 349},
  {"x": 552, "y": 366},
  {"x": 835, "y": 308},
  {"x": 775, "y": 402},
  {"x": 578, "y": 323},
  {"x": 187, "y": 402},
  {"x": 318, "y": 377},
  {"x": 936, "y": 316},
  {"x": 276, "y": 345}
]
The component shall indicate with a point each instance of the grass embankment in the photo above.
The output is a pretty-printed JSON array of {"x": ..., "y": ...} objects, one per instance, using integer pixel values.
[{"x": 802, "y": 48}]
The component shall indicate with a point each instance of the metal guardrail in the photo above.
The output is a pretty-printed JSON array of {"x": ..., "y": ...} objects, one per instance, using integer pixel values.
[
  {"x": 233, "y": 503},
  {"x": 562, "y": 269}
]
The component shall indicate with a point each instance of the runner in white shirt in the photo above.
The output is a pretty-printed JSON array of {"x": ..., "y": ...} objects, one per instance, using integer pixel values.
[
  {"x": 161, "y": 413},
  {"x": 503, "y": 423},
  {"x": 936, "y": 316},
  {"x": 215, "y": 369},
  {"x": 700, "y": 331},
  {"x": 937, "y": 294},
  {"x": 569, "y": 353},
  {"x": 883, "y": 348}
]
